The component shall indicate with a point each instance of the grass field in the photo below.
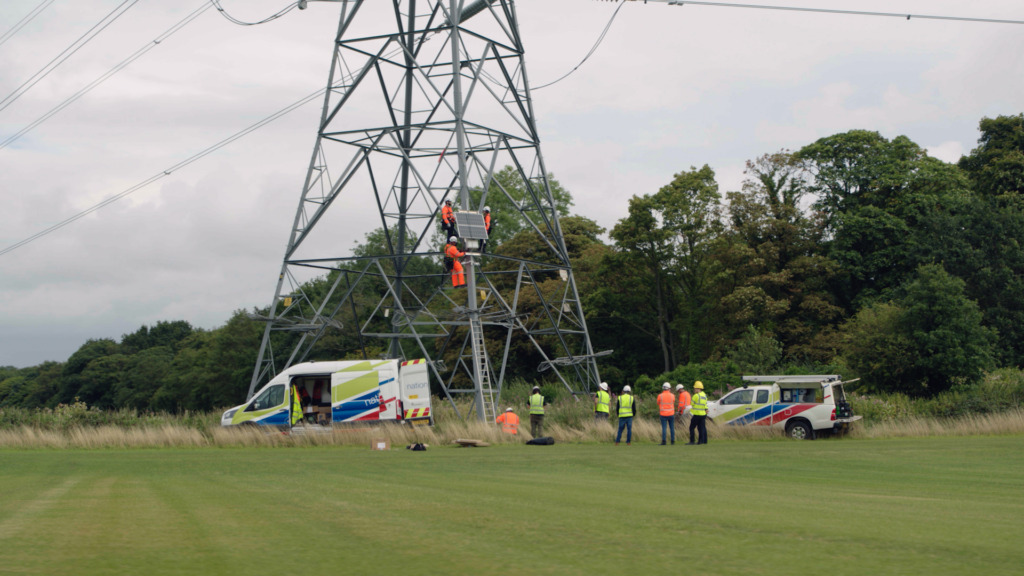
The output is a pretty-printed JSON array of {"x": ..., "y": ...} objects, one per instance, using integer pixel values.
[{"x": 950, "y": 505}]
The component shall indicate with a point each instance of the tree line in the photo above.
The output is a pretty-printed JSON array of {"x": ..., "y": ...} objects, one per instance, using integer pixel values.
[{"x": 855, "y": 253}]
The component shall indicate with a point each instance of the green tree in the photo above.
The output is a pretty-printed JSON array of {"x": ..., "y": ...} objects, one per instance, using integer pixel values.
[
  {"x": 990, "y": 251},
  {"x": 756, "y": 352},
  {"x": 775, "y": 273},
  {"x": 928, "y": 341},
  {"x": 879, "y": 201}
]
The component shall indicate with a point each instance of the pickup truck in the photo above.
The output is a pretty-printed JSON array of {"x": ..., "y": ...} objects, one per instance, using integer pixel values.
[{"x": 802, "y": 406}]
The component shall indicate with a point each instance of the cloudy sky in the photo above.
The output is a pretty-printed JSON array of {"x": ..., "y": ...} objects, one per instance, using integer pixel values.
[{"x": 670, "y": 87}]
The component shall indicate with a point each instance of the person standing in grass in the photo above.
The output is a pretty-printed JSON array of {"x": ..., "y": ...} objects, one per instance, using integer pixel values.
[
  {"x": 536, "y": 404},
  {"x": 684, "y": 404},
  {"x": 667, "y": 411},
  {"x": 698, "y": 414},
  {"x": 626, "y": 408},
  {"x": 602, "y": 400}
]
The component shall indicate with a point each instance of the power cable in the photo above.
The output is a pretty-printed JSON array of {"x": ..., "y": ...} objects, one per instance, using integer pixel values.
[
  {"x": 272, "y": 17},
  {"x": 21, "y": 23},
  {"x": 120, "y": 66},
  {"x": 67, "y": 53},
  {"x": 837, "y": 11},
  {"x": 592, "y": 49},
  {"x": 195, "y": 157},
  {"x": 769, "y": 7},
  {"x": 167, "y": 172}
]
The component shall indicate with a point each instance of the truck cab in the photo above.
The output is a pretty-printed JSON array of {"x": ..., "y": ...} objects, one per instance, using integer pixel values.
[{"x": 802, "y": 406}]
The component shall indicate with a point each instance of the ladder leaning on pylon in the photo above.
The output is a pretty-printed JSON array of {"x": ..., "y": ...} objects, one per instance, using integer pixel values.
[{"x": 482, "y": 371}]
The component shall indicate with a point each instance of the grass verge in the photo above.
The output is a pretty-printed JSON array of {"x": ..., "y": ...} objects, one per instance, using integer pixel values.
[{"x": 856, "y": 507}]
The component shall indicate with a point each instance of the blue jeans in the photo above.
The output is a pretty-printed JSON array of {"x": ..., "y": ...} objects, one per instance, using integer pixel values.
[
  {"x": 671, "y": 422},
  {"x": 626, "y": 423}
]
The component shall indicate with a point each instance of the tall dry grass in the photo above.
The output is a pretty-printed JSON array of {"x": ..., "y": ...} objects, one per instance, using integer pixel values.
[
  {"x": 447, "y": 431},
  {"x": 1000, "y": 424}
]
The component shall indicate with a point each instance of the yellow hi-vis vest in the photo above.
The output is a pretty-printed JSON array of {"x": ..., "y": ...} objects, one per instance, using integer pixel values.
[
  {"x": 699, "y": 404},
  {"x": 603, "y": 400},
  {"x": 296, "y": 407},
  {"x": 625, "y": 406},
  {"x": 536, "y": 404}
]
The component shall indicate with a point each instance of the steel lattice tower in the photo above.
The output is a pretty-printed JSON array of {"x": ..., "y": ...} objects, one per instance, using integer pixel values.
[{"x": 426, "y": 100}]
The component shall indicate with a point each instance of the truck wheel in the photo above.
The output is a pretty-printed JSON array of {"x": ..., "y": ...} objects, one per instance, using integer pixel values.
[{"x": 800, "y": 430}]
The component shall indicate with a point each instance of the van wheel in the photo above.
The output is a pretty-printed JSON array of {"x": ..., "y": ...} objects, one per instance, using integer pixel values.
[{"x": 800, "y": 431}]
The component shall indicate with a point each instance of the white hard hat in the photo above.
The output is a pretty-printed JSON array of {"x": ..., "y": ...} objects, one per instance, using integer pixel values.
[
  {"x": 509, "y": 409},
  {"x": 666, "y": 386},
  {"x": 679, "y": 387},
  {"x": 448, "y": 201},
  {"x": 487, "y": 208},
  {"x": 627, "y": 388},
  {"x": 603, "y": 385},
  {"x": 453, "y": 240}
]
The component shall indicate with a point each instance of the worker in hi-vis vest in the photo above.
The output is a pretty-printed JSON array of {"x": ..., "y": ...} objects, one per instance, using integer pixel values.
[
  {"x": 699, "y": 413},
  {"x": 627, "y": 407},
  {"x": 536, "y": 403},
  {"x": 487, "y": 227},
  {"x": 452, "y": 251},
  {"x": 509, "y": 422},
  {"x": 667, "y": 411},
  {"x": 683, "y": 408},
  {"x": 448, "y": 220},
  {"x": 602, "y": 401}
]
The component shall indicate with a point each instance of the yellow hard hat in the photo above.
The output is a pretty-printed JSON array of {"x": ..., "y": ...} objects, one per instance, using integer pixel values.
[{"x": 698, "y": 385}]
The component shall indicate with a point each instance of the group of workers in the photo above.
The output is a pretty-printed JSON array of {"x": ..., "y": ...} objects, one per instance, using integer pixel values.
[
  {"x": 452, "y": 255},
  {"x": 672, "y": 407}
]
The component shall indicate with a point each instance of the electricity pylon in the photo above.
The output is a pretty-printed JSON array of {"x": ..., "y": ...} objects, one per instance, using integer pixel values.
[{"x": 426, "y": 100}]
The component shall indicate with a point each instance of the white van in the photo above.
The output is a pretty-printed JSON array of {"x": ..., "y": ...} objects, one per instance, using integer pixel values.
[
  {"x": 337, "y": 392},
  {"x": 800, "y": 405}
]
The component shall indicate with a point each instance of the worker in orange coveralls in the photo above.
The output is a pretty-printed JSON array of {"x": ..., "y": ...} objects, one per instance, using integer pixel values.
[{"x": 452, "y": 251}]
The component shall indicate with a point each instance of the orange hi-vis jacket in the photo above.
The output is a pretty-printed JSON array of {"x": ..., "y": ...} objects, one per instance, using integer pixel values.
[
  {"x": 509, "y": 423},
  {"x": 447, "y": 216},
  {"x": 452, "y": 251},
  {"x": 487, "y": 222},
  {"x": 684, "y": 401},
  {"x": 666, "y": 403}
]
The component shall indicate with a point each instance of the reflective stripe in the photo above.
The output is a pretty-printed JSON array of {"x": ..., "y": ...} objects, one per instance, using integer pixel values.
[
  {"x": 700, "y": 404},
  {"x": 509, "y": 423},
  {"x": 625, "y": 406},
  {"x": 536, "y": 404},
  {"x": 666, "y": 403},
  {"x": 603, "y": 400}
]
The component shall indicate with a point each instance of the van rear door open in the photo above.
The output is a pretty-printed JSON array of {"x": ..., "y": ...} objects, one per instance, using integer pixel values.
[{"x": 416, "y": 392}]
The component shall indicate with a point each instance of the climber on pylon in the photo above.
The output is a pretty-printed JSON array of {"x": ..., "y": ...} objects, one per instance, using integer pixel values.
[{"x": 452, "y": 254}]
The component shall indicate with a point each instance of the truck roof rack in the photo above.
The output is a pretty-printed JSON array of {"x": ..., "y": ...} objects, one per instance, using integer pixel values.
[{"x": 800, "y": 379}]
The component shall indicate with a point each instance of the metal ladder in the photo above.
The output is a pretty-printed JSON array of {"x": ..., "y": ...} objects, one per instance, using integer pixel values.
[{"x": 480, "y": 361}]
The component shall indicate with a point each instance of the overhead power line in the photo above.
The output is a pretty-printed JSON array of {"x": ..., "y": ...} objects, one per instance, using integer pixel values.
[
  {"x": 167, "y": 172},
  {"x": 270, "y": 18},
  {"x": 837, "y": 11},
  {"x": 592, "y": 49},
  {"x": 68, "y": 52},
  {"x": 120, "y": 66},
  {"x": 768, "y": 7},
  {"x": 21, "y": 23}
]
